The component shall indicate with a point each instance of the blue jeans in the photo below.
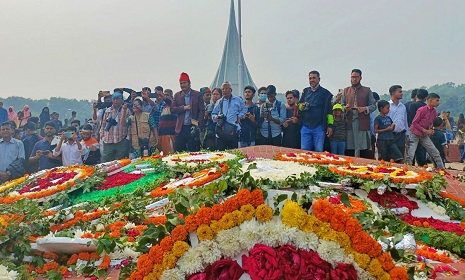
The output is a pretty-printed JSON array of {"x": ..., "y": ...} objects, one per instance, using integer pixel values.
[
  {"x": 338, "y": 148},
  {"x": 312, "y": 138}
]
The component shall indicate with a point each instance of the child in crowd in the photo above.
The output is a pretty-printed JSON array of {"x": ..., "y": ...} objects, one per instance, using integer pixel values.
[
  {"x": 387, "y": 148},
  {"x": 338, "y": 137},
  {"x": 71, "y": 150},
  {"x": 460, "y": 137},
  {"x": 439, "y": 138}
]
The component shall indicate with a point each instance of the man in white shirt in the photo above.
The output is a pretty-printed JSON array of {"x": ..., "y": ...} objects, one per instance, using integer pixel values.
[
  {"x": 398, "y": 114},
  {"x": 71, "y": 150}
]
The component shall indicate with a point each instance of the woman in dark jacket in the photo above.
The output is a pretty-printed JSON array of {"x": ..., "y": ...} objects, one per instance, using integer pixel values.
[{"x": 43, "y": 118}]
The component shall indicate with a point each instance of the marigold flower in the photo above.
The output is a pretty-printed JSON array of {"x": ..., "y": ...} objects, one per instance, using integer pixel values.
[
  {"x": 144, "y": 265},
  {"x": 243, "y": 197},
  {"x": 169, "y": 260},
  {"x": 362, "y": 242},
  {"x": 227, "y": 221},
  {"x": 217, "y": 211},
  {"x": 398, "y": 273},
  {"x": 386, "y": 261},
  {"x": 72, "y": 260},
  {"x": 105, "y": 262},
  {"x": 338, "y": 220},
  {"x": 51, "y": 265},
  {"x": 203, "y": 215},
  {"x": 257, "y": 198},
  {"x": 352, "y": 227},
  {"x": 237, "y": 216},
  {"x": 231, "y": 204},
  {"x": 248, "y": 211},
  {"x": 215, "y": 226},
  {"x": 179, "y": 248},
  {"x": 322, "y": 209},
  {"x": 85, "y": 256},
  {"x": 264, "y": 213},
  {"x": 191, "y": 223},
  {"x": 292, "y": 214},
  {"x": 204, "y": 232},
  {"x": 179, "y": 233},
  {"x": 167, "y": 243},
  {"x": 156, "y": 253}
]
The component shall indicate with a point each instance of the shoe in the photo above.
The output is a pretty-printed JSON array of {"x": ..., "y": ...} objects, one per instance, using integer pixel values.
[{"x": 461, "y": 161}]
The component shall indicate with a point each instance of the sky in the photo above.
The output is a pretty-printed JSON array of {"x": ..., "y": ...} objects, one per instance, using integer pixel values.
[{"x": 73, "y": 49}]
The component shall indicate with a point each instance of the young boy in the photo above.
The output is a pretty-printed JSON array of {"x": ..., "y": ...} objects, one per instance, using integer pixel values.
[
  {"x": 421, "y": 129},
  {"x": 72, "y": 151},
  {"x": 387, "y": 148},
  {"x": 439, "y": 138},
  {"x": 338, "y": 137}
]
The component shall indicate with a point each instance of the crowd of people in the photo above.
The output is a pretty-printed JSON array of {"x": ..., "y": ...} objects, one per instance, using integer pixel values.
[{"x": 217, "y": 119}]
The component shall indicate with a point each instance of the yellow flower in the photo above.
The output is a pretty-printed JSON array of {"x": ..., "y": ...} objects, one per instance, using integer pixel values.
[
  {"x": 363, "y": 260},
  {"x": 310, "y": 223},
  {"x": 215, "y": 226},
  {"x": 375, "y": 268},
  {"x": 264, "y": 213},
  {"x": 237, "y": 216},
  {"x": 204, "y": 232},
  {"x": 385, "y": 276},
  {"x": 248, "y": 211},
  {"x": 169, "y": 261},
  {"x": 179, "y": 248},
  {"x": 325, "y": 231},
  {"x": 292, "y": 214},
  {"x": 227, "y": 221},
  {"x": 343, "y": 240}
]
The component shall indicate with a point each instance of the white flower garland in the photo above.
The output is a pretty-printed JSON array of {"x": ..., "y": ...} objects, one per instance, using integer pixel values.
[
  {"x": 7, "y": 274},
  {"x": 276, "y": 170},
  {"x": 184, "y": 158},
  {"x": 230, "y": 243},
  {"x": 436, "y": 208}
]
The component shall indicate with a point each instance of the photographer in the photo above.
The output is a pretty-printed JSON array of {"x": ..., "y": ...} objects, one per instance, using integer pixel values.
[
  {"x": 272, "y": 115},
  {"x": 72, "y": 150},
  {"x": 113, "y": 130},
  {"x": 42, "y": 151},
  {"x": 227, "y": 114},
  {"x": 142, "y": 131}
]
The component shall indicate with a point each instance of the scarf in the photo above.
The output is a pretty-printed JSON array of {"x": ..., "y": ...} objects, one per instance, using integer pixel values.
[{"x": 12, "y": 114}]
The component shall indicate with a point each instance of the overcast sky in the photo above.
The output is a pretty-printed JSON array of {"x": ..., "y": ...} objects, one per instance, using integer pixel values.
[{"x": 76, "y": 48}]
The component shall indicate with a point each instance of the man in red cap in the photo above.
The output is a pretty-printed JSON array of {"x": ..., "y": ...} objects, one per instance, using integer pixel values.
[{"x": 189, "y": 106}]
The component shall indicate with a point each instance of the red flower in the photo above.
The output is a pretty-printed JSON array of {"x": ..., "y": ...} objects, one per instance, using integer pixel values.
[
  {"x": 312, "y": 266},
  {"x": 262, "y": 263},
  {"x": 289, "y": 262},
  {"x": 344, "y": 271},
  {"x": 53, "y": 179},
  {"x": 118, "y": 179},
  {"x": 225, "y": 269}
]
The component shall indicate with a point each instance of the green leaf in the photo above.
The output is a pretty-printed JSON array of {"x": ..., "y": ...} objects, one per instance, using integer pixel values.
[
  {"x": 396, "y": 254},
  {"x": 345, "y": 200},
  {"x": 54, "y": 275}
]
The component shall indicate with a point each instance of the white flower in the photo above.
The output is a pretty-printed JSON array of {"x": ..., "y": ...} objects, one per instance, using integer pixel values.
[
  {"x": 276, "y": 170},
  {"x": 124, "y": 253},
  {"x": 100, "y": 227},
  {"x": 228, "y": 242},
  {"x": 129, "y": 225},
  {"x": 330, "y": 251},
  {"x": 173, "y": 274},
  {"x": 15, "y": 193},
  {"x": 79, "y": 233},
  {"x": 209, "y": 251},
  {"x": 7, "y": 275},
  {"x": 436, "y": 208},
  {"x": 249, "y": 234},
  {"x": 306, "y": 240},
  {"x": 190, "y": 262}
]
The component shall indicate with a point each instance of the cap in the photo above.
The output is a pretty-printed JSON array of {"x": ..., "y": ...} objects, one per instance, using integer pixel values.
[
  {"x": 338, "y": 106},
  {"x": 205, "y": 90},
  {"x": 184, "y": 77}
]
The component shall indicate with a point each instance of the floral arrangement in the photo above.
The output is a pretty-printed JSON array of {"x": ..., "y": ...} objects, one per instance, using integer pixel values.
[
  {"x": 47, "y": 187},
  {"x": 13, "y": 183},
  {"x": 392, "y": 199},
  {"x": 314, "y": 158},
  {"x": 195, "y": 158},
  {"x": 7, "y": 274},
  {"x": 111, "y": 166},
  {"x": 275, "y": 170},
  {"x": 433, "y": 223},
  {"x": 380, "y": 172},
  {"x": 118, "y": 179}
]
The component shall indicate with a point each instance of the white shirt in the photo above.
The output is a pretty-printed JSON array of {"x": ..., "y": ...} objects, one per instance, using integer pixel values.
[
  {"x": 71, "y": 154},
  {"x": 398, "y": 114}
]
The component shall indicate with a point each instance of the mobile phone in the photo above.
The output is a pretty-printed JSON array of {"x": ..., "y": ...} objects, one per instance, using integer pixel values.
[{"x": 45, "y": 152}]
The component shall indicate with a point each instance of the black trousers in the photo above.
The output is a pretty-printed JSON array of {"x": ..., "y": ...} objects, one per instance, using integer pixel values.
[
  {"x": 185, "y": 142},
  {"x": 222, "y": 145}
]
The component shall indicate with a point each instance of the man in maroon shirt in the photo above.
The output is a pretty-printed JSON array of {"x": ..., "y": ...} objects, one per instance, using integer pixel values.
[{"x": 421, "y": 129}]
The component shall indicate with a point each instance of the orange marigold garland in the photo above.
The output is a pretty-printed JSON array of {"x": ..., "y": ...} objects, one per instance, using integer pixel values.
[{"x": 179, "y": 233}]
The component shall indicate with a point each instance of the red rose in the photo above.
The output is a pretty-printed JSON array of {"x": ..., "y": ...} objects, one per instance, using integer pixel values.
[
  {"x": 225, "y": 269},
  {"x": 344, "y": 271},
  {"x": 262, "y": 263},
  {"x": 289, "y": 262},
  {"x": 313, "y": 267},
  {"x": 198, "y": 276}
]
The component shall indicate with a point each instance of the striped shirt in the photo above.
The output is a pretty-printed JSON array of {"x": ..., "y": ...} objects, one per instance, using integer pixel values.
[{"x": 117, "y": 132}]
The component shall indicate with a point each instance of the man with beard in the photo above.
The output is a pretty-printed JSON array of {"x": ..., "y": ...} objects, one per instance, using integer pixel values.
[
  {"x": 358, "y": 103},
  {"x": 250, "y": 122},
  {"x": 189, "y": 106},
  {"x": 11, "y": 154},
  {"x": 42, "y": 151},
  {"x": 316, "y": 114},
  {"x": 291, "y": 126}
]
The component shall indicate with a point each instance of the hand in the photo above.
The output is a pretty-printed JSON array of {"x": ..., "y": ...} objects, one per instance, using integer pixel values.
[
  {"x": 392, "y": 127},
  {"x": 94, "y": 105},
  {"x": 286, "y": 123},
  {"x": 329, "y": 131},
  {"x": 145, "y": 94},
  {"x": 338, "y": 97},
  {"x": 269, "y": 117},
  {"x": 63, "y": 137},
  {"x": 4, "y": 176},
  {"x": 251, "y": 117},
  {"x": 75, "y": 137},
  {"x": 100, "y": 95},
  {"x": 187, "y": 107},
  {"x": 361, "y": 109},
  {"x": 429, "y": 132},
  {"x": 294, "y": 120},
  {"x": 347, "y": 107},
  {"x": 38, "y": 153}
]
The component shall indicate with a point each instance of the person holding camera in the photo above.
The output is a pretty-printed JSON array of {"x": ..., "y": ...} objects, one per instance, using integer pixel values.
[
  {"x": 227, "y": 115},
  {"x": 189, "y": 106},
  {"x": 272, "y": 116},
  {"x": 316, "y": 114},
  {"x": 251, "y": 119},
  {"x": 42, "y": 151},
  {"x": 70, "y": 149},
  {"x": 113, "y": 130},
  {"x": 142, "y": 130}
]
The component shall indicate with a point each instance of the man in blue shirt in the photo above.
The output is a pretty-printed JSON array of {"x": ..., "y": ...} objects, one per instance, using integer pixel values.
[
  {"x": 398, "y": 114},
  {"x": 250, "y": 122},
  {"x": 272, "y": 116},
  {"x": 229, "y": 111},
  {"x": 3, "y": 114},
  {"x": 42, "y": 151},
  {"x": 11, "y": 149},
  {"x": 316, "y": 114}
]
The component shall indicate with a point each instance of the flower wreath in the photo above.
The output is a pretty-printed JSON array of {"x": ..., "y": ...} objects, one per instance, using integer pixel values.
[
  {"x": 195, "y": 158},
  {"x": 312, "y": 158}
]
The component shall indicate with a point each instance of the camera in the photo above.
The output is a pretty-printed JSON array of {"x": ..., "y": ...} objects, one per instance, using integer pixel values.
[
  {"x": 103, "y": 105},
  {"x": 221, "y": 119},
  {"x": 110, "y": 122},
  {"x": 304, "y": 106},
  {"x": 45, "y": 152},
  {"x": 266, "y": 109}
]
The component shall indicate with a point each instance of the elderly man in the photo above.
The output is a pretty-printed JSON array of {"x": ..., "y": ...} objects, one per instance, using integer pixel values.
[
  {"x": 359, "y": 103},
  {"x": 228, "y": 112},
  {"x": 113, "y": 131},
  {"x": 11, "y": 154},
  {"x": 189, "y": 106}
]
